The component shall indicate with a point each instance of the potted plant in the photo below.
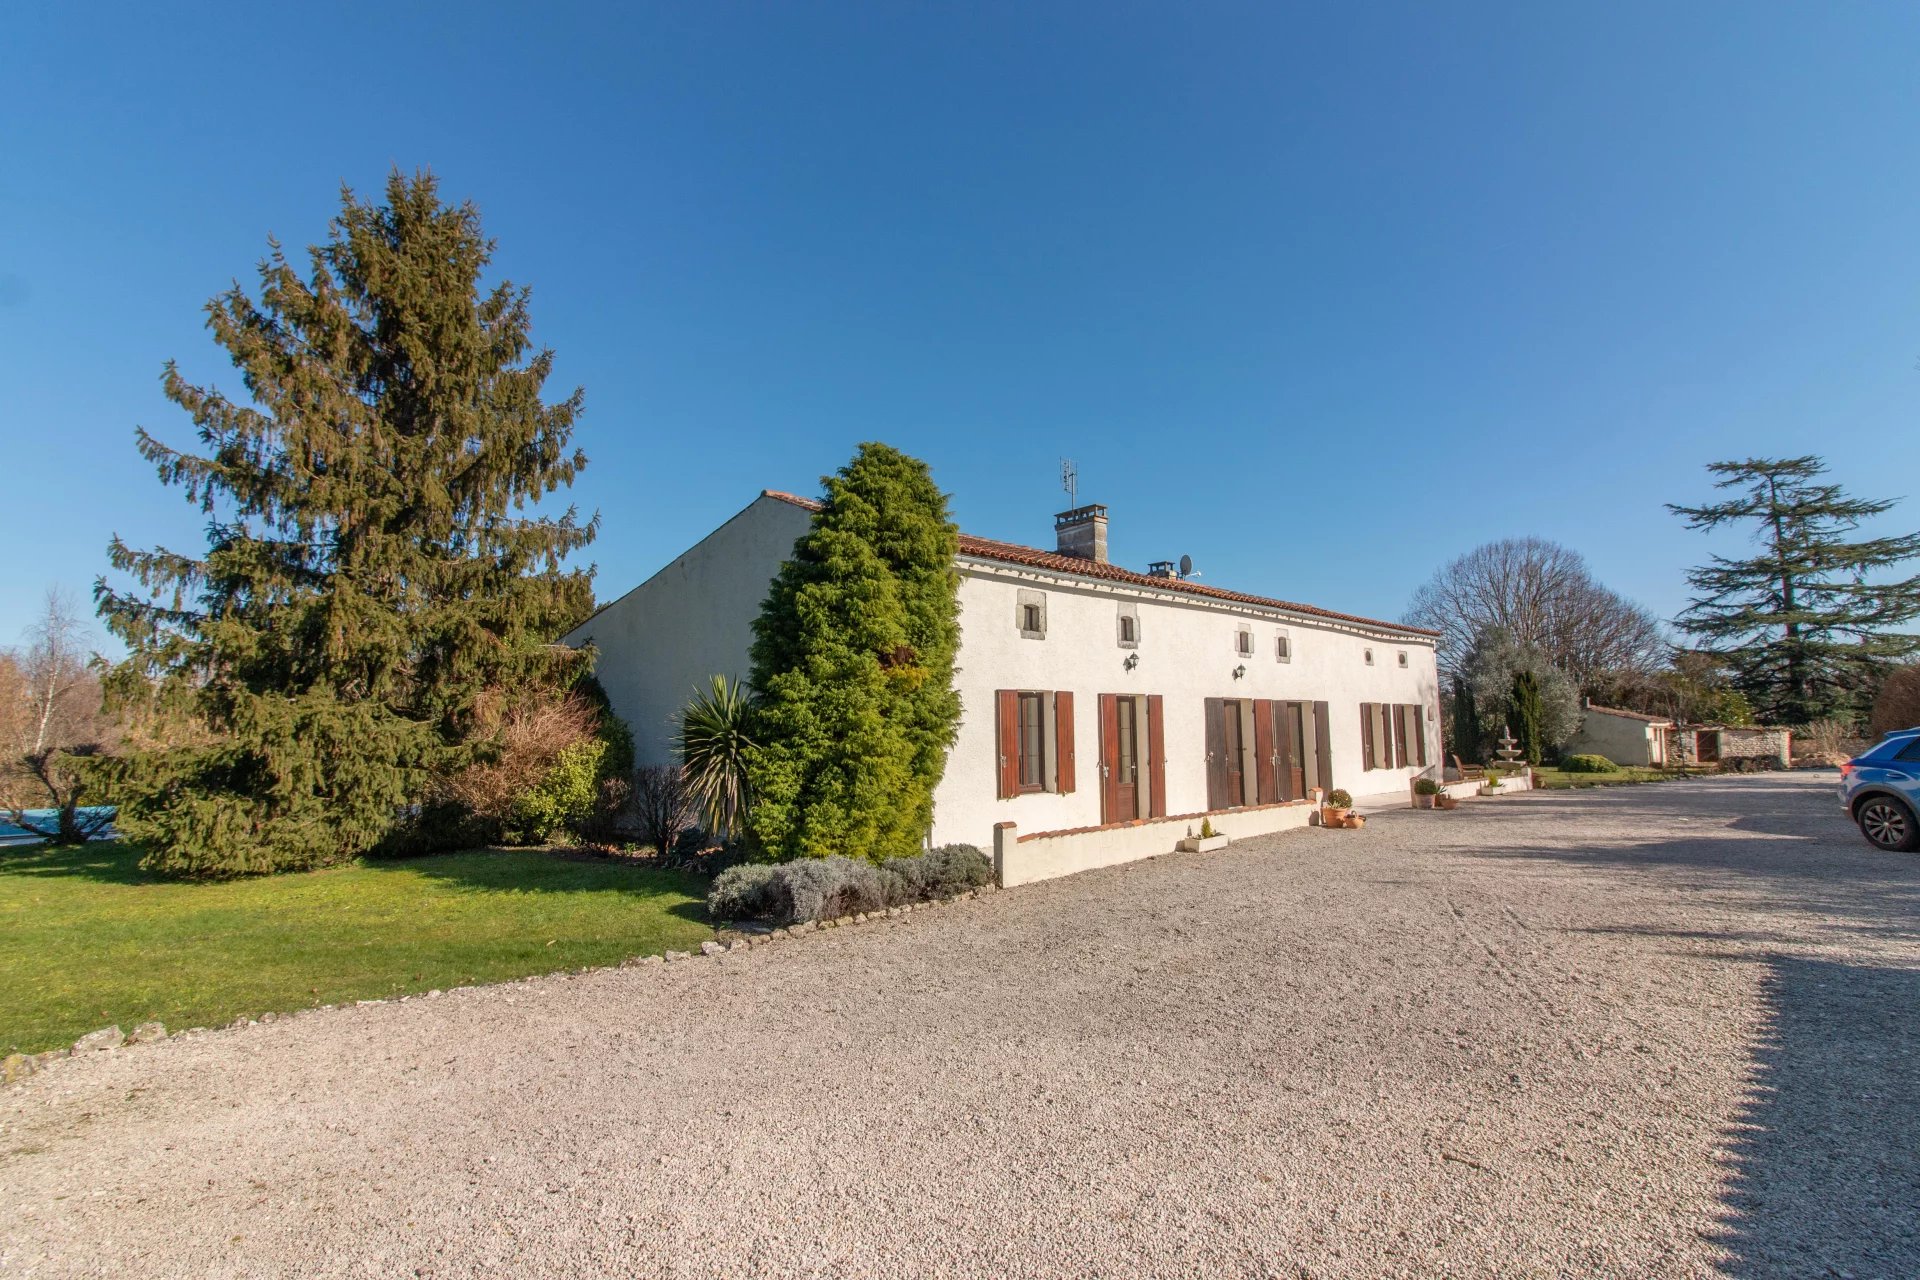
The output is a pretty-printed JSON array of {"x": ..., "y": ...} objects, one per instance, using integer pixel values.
[
  {"x": 1446, "y": 800},
  {"x": 1491, "y": 787},
  {"x": 1334, "y": 812},
  {"x": 1206, "y": 842},
  {"x": 1424, "y": 791}
]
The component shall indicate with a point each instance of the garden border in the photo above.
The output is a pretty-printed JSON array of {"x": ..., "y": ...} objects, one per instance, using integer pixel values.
[{"x": 15, "y": 1068}]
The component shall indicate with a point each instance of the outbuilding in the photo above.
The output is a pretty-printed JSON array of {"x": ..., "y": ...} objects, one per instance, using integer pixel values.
[{"x": 1624, "y": 737}]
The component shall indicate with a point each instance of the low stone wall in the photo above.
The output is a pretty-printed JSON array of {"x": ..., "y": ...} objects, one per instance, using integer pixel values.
[{"x": 1043, "y": 855}]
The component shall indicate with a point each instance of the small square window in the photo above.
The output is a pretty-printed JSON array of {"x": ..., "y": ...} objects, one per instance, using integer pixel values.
[
  {"x": 1126, "y": 625},
  {"x": 1243, "y": 643},
  {"x": 1403, "y": 657},
  {"x": 1030, "y": 614},
  {"x": 1126, "y": 630},
  {"x": 1369, "y": 657}
]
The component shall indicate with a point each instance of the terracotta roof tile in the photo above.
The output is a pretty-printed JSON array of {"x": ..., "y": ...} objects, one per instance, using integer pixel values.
[{"x": 1053, "y": 562}]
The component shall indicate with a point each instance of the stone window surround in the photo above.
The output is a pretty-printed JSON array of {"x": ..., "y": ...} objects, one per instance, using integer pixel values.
[
  {"x": 1024, "y": 599},
  {"x": 1125, "y": 610},
  {"x": 1283, "y": 645}
]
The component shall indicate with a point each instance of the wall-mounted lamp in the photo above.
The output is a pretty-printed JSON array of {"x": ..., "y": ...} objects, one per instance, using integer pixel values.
[
  {"x": 1133, "y": 660},
  {"x": 1240, "y": 671}
]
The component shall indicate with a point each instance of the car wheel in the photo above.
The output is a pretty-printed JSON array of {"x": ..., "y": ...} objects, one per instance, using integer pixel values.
[{"x": 1888, "y": 824}]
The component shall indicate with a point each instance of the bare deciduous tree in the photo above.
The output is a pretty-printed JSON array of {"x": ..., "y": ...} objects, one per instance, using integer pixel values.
[
  {"x": 1898, "y": 705},
  {"x": 528, "y": 734},
  {"x": 664, "y": 806},
  {"x": 63, "y": 694},
  {"x": 54, "y": 727},
  {"x": 1542, "y": 595}
]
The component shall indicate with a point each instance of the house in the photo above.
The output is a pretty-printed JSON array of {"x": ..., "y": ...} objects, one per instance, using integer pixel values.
[
  {"x": 1104, "y": 710},
  {"x": 1753, "y": 746},
  {"x": 1624, "y": 737}
]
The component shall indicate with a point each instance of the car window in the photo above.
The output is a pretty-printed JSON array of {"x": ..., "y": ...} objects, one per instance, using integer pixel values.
[{"x": 1911, "y": 751}]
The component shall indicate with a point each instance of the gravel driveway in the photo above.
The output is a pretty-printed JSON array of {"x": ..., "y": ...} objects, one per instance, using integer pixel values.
[{"x": 1661, "y": 1030}]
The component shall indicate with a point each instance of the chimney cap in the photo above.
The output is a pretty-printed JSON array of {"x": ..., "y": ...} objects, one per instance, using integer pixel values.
[{"x": 1079, "y": 515}]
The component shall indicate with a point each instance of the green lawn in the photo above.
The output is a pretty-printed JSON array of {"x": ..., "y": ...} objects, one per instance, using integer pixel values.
[
  {"x": 92, "y": 940},
  {"x": 1560, "y": 780}
]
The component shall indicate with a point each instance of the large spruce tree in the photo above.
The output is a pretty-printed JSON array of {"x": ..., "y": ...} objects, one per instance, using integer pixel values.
[
  {"x": 1808, "y": 624},
  {"x": 853, "y": 668},
  {"x": 369, "y": 567}
]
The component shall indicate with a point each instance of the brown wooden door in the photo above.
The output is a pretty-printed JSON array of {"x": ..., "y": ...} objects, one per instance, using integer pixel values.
[
  {"x": 1126, "y": 761},
  {"x": 1234, "y": 742},
  {"x": 1216, "y": 753},
  {"x": 1293, "y": 750},
  {"x": 1266, "y": 757}
]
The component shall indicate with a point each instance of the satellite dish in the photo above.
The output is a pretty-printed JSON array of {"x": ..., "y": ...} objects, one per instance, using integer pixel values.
[{"x": 1186, "y": 566}]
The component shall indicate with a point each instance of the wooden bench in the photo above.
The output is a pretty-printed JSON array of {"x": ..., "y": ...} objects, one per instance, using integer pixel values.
[{"x": 1466, "y": 772}]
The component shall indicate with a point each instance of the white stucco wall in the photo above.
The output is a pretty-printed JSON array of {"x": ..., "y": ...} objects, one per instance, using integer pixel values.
[
  {"x": 1621, "y": 739},
  {"x": 1187, "y": 655},
  {"x": 693, "y": 620},
  {"x": 662, "y": 641}
]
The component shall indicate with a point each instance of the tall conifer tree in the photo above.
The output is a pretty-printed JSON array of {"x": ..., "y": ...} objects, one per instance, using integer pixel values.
[
  {"x": 1805, "y": 625},
  {"x": 853, "y": 668},
  {"x": 369, "y": 567}
]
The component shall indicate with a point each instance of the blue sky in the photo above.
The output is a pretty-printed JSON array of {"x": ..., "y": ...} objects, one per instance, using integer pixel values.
[{"x": 1320, "y": 295}]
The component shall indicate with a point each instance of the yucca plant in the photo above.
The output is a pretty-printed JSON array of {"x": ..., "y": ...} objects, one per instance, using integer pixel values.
[{"x": 713, "y": 746}]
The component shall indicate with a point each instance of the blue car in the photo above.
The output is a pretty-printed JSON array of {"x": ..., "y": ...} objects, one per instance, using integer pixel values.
[{"x": 1881, "y": 789}]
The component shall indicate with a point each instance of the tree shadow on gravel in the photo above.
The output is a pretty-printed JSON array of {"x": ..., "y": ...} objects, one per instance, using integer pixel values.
[{"x": 1825, "y": 1154}]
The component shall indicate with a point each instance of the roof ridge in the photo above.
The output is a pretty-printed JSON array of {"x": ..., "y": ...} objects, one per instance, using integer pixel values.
[{"x": 1035, "y": 558}]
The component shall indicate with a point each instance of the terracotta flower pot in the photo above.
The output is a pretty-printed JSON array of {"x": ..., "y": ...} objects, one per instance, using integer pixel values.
[
  {"x": 1355, "y": 822},
  {"x": 1424, "y": 802},
  {"x": 1332, "y": 817}
]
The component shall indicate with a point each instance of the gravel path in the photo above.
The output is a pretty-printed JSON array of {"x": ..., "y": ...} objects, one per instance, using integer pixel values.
[{"x": 1664, "y": 1030}]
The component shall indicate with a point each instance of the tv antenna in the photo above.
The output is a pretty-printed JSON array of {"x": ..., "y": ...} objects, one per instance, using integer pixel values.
[{"x": 1070, "y": 481}]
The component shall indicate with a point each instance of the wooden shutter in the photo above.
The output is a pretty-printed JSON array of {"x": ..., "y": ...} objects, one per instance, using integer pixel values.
[
  {"x": 1322, "y": 747},
  {"x": 1109, "y": 757},
  {"x": 1216, "y": 753},
  {"x": 1007, "y": 724},
  {"x": 1266, "y": 771},
  {"x": 1366, "y": 735},
  {"x": 1399, "y": 737},
  {"x": 1063, "y": 741},
  {"x": 1157, "y": 754},
  {"x": 1419, "y": 718}
]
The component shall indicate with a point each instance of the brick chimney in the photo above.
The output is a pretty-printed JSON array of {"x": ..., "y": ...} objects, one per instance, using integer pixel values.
[{"x": 1082, "y": 532}]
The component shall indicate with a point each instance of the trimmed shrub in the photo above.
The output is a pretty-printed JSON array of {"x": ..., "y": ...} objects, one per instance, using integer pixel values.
[
  {"x": 961, "y": 866},
  {"x": 748, "y": 890},
  {"x": 822, "y": 888},
  {"x": 1588, "y": 764},
  {"x": 563, "y": 799},
  {"x": 1426, "y": 787},
  {"x": 1338, "y": 798},
  {"x": 937, "y": 873}
]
